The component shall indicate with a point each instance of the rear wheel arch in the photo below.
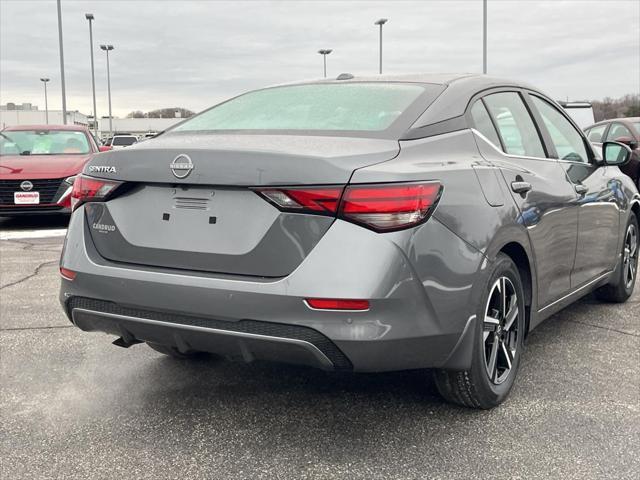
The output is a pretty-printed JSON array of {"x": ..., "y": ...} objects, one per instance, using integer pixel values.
[
  {"x": 635, "y": 208},
  {"x": 520, "y": 257}
]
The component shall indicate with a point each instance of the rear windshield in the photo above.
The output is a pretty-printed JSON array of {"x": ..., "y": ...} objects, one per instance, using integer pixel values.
[
  {"x": 124, "y": 141},
  {"x": 43, "y": 142},
  {"x": 355, "y": 106}
]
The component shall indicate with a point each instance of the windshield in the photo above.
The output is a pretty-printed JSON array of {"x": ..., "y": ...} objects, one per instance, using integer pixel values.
[
  {"x": 120, "y": 141},
  {"x": 43, "y": 142},
  {"x": 354, "y": 106}
]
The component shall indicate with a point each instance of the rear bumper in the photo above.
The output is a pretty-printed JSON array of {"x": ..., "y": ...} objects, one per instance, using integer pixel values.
[
  {"x": 246, "y": 340},
  {"x": 416, "y": 319}
]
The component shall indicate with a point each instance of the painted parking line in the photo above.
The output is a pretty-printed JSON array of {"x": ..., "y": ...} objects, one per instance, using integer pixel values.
[{"x": 27, "y": 234}]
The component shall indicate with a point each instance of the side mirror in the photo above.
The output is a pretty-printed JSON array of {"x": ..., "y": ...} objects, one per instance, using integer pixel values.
[
  {"x": 104, "y": 148},
  {"x": 615, "y": 153}
]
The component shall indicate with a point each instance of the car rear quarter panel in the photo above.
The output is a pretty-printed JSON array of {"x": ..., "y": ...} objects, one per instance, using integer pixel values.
[{"x": 474, "y": 206}]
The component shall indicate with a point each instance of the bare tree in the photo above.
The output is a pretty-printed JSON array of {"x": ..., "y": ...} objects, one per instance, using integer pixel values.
[{"x": 625, "y": 106}]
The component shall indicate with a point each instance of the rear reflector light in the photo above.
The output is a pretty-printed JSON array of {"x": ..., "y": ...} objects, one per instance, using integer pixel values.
[
  {"x": 337, "y": 304},
  {"x": 381, "y": 207},
  {"x": 387, "y": 207},
  {"x": 310, "y": 200},
  {"x": 68, "y": 274},
  {"x": 89, "y": 189}
]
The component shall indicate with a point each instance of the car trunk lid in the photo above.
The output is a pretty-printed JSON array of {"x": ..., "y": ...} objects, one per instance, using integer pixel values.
[{"x": 211, "y": 220}]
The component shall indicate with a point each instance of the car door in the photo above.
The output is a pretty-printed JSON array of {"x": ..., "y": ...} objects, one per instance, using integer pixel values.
[
  {"x": 598, "y": 193},
  {"x": 539, "y": 186}
]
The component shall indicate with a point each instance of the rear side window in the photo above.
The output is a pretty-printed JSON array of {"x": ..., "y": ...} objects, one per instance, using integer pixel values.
[
  {"x": 595, "y": 134},
  {"x": 483, "y": 123},
  {"x": 566, "y": 139},
  {"x": 515, "y": 125},
  {"x": 618, "y": 130}
]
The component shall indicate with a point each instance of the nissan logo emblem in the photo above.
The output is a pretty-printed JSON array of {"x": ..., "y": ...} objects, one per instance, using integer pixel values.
[
  {"x": 26, "y": 185},
  {"x": 181, "y": 166}
]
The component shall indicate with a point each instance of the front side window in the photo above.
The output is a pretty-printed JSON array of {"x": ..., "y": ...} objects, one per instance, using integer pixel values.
[
  {"x": 618, "y": 130},
  {"x": 43, "y": 142},
  {"x": 566, "y": 139},
  {"x": 483, "y": 123},
  {"x": 515, "y": 125},
  {"x": 341, "y": 107},
  {"x": 596, "y": 134}
]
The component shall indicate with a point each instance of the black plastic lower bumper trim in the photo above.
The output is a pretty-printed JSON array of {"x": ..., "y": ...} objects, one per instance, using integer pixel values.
[{"x": 248, "y": 327}]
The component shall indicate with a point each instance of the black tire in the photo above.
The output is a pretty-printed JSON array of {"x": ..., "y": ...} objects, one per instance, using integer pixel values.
[
  {"x": 476, "y": 387},
  {"x": 174, "y": 352},
  {"x": 621, "y": 287}
]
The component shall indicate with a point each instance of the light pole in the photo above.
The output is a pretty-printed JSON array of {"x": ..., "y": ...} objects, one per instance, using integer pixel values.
[
  {"x": 381, "y": 22},
  {"x": 89, "y": 16},
  {"x": 108, "y": 48},
  {"x": 484, "y": 37},
  {"x": 46, "y": 102},
  {"x": 324, "y": 52},
  {"x": 64, "y": 95}
]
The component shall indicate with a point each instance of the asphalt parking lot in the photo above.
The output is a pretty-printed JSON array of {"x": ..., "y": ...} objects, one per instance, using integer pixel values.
[{"x": 75, "y": 406}]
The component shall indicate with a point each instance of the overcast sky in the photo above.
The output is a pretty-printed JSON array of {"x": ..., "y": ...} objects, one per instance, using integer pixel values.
[{"x": 195, "y": 53}]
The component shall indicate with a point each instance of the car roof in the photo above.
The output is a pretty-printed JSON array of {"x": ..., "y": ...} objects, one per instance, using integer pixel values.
[
  {"x": 74, "y": 128},
  {"x": 611, "y": 120},
  {"x": 433, "y": 78}
]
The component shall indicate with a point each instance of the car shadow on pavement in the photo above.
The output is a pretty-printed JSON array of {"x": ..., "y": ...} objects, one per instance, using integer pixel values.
[
  {"x": 292, "y": 404},
  {"x": 29, "y": 222}
]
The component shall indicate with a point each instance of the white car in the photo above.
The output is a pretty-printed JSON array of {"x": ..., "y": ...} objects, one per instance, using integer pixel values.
[
  {"x": 580, "y": 112},
  {"x": 121, "y": 141}
]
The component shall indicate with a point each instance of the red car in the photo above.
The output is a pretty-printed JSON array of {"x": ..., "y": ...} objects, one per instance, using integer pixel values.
[{"x": 38, "y": 164}]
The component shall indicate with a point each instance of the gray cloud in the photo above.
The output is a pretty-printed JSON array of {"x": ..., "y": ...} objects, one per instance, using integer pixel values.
[{"x": 195, "y": 53}]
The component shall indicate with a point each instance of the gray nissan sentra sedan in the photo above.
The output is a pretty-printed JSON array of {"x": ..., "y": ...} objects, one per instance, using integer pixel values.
[{"x": 365, "y": 224}]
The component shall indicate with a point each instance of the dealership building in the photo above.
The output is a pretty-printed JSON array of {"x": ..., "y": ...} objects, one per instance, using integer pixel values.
[{"x": 27, "y": 114}]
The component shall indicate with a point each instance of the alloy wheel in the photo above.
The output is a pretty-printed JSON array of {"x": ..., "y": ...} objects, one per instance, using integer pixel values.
[
  {"x": 500, "y": 332},
  {"x": 630, "y": 256}
]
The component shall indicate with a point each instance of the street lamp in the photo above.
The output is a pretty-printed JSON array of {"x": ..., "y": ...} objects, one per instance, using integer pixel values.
[
  {"x": 108, "y": 48},
  {"x": 484, "y": 37},
  {"x": 324, "y": 52},
  {"x": 46, "y": 103},
  {"x": 89, "y": 16},
  {"x": 64, "y": 95},
  {"x": 381, "y": 22}
]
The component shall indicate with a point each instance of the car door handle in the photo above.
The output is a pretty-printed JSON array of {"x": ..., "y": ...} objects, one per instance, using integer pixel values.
[
  {"x": 581, "y": 189},
  {"x": 520, "y": 187}
]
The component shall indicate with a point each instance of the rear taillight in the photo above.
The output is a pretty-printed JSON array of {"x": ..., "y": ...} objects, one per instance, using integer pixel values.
[
  {"x": 322, "y": 200},
  {"x": 89, "y": 189},
  {"x": 387, "y": 207},
  {"x": 381, "y": 207}
]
